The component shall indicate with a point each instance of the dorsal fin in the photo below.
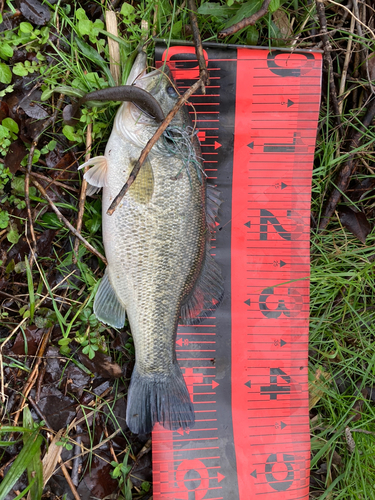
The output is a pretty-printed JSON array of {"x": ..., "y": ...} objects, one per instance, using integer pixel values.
[
  {"x": 213, "y": 202},
  {"x": 207, "y": 293}
]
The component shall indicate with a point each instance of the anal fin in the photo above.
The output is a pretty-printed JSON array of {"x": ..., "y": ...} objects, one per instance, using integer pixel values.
[
  {"x": 107, "y": 307},
  {"x": 207, "y": 293}
]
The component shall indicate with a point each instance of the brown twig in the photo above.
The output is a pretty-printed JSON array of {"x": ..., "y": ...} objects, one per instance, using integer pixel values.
[
  {"x": 348, "y": 55},
  {"x": 203, "y": 71},
  {"x": 14, "y": 297},
  {"x": 33, "y": 374},
  {"x": 133, "y": 175},
  {"x": 51, "y": 182},
  {"x": 39, "y": 381},
  {"x": 248, "y": 21},
  {"x": 67, "y": 223},
  {"x": 82, "y": 196},
  {"x": 105, "y": 430},
  {"x": 346, "y": 172},
  {"x": 51, "y": 120},
  {"x": 77, "y": 459},
  {"x": 113, "y": 46},
  {"x": 328, "y": 59}
]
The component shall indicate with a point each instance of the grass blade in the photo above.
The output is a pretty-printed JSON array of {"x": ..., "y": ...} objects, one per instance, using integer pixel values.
[
  {"x": 30, "y": 285},
  {"x": 35, "y": 467},
  {"x": 31, "y": 448}
]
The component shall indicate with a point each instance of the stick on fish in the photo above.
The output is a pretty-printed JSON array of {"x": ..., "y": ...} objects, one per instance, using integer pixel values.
[{"x": 151, "y": 143}]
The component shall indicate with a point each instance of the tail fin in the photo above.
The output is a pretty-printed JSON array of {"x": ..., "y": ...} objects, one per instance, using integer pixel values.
[{"x": 159, "y": 398}]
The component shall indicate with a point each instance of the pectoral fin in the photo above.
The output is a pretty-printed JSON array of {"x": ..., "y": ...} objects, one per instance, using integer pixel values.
[
  {"x": 96, "y": 176},
  {"x": 107, "y": 307},
  {"x": 143, "y": 187}
]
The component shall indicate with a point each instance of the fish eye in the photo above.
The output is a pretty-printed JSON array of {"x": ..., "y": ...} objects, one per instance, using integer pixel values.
[{"x": 171, "y": 91}]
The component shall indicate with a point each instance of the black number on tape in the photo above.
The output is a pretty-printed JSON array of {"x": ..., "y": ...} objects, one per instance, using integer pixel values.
[
  {"x": 274, "y": 388},
  {"x": 284, "y": 70},
  {"x": 281, "y": 308},
  {"x": 286, "y": 482},
  {"x": 268, "y": 217}
]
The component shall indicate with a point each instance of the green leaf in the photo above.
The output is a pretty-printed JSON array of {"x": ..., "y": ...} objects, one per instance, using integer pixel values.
[
  {"x": 127, "y": 10},
  {"x": 274, "y": 6},
  {"x": 31, "y": 448},
  {"x": 5, "y": 74},
  {"x": 7, "y": 90},
  {"x": 63, "y": 89},
  {"x": 10, "y": 125},
  {"x": 6, "y": 50},
  {"x": 35, "y": 468},
  {"x": 13, "y": 235},
  {"x": 252, "y": 35},
  {"x": 4, "y": 219},
  {"x": 96, "y": 58},
  {"x": 30, "y": 285},
  {"x": 146, "y": 486},
  {"x": 20, "y": 70},
  {"x": 51, "y": 145},
  {"x": 177, "y": 27},
  {"x": 26, "y": 27},
  {"x": 84, "y": 27},
  {"x": 51, "y": 221},
  {"x": 69, "y": 133},
  {"x": 81, "y": 14},
  {"x": 4, "y": 429},
  {"x": 275, "y": 34},
  {"x": 215, "y": 9},
  {"x": 246, "y": 10},
  {"x": 64, "y": 341}
]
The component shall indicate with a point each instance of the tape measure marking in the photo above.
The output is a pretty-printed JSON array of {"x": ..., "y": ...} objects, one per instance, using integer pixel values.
[{"x": 246, "y": 366}]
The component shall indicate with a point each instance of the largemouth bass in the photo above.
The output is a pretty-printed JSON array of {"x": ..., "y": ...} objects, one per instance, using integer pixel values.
[{"x": 157, "y": 244}]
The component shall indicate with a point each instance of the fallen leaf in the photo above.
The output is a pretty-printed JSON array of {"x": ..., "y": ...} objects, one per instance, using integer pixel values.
[
  {"x": 349, "y": 440},
  {"x": 355, "y": 222},
  {"x": 101, "y": 365},
  {"x": 44, "y": 243},
  {"x": 4, "y": 110},
  {"x": 32, "y": 338},
  {"x": 97, "y": 477},
  {"x": 52, "y": 456},
  {"x": 16, "y": 153},
  {"x": 282, "y": 22},
  {"x": 35, "y": 12},
  {"x": 32, "y": 107},
  {"x": 59, "y": 409},
  {"x": 316, "y": 387},
  {"x": 77, "y": 379}
]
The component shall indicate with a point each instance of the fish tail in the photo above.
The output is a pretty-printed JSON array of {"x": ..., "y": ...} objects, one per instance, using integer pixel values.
[{"x": 158, "y": 398}]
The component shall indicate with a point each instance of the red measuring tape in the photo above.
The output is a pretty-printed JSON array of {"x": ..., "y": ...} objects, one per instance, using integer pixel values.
[{"x": 246, "y": 366}]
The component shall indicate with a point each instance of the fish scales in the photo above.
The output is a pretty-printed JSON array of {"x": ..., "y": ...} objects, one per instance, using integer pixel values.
[
  {"x": 156, "y": 249},
  {"x": 157, "y": 245}
]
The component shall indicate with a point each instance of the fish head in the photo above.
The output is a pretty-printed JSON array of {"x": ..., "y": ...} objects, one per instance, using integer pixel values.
[
  {"x": 159, "y": 83},
  {"x": 133, "y": 123}
]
